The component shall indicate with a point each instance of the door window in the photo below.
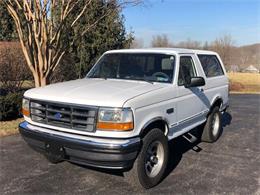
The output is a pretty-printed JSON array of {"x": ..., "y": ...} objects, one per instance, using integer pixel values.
[{"x": 186, "y": 69}]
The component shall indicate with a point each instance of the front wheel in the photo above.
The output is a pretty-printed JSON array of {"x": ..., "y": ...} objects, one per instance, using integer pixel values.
[{"x": 150, "y": 165}]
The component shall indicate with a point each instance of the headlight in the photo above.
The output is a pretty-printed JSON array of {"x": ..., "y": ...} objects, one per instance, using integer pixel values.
[
  {"x": 115, "y": 119},
  {"x": 25, "y": 107}
]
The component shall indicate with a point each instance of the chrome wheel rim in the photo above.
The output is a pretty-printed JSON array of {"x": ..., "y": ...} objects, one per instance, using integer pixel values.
[
  {"x": 215, "y": 124},
  {"x": 154, "y": 159}
]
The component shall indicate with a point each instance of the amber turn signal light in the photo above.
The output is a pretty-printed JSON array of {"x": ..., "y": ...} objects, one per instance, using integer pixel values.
[
  {"x": 106, "y": 126},
  {"x": 25, "y": 112}
]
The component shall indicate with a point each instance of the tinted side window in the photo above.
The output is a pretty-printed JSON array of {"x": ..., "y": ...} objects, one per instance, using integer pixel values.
[
  {"x": 211, "y": 65},
  {"x": 186, "y": 69}
]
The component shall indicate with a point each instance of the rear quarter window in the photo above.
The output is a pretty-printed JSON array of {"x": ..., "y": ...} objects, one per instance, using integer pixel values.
[{"x": 211, "y": 65}]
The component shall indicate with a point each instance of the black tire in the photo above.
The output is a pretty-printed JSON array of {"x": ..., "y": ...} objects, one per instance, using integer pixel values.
[
  {"x": 139, "y": 175},
  {"x": 210, "y": 132},
  {"x": 54, "y": 159}
]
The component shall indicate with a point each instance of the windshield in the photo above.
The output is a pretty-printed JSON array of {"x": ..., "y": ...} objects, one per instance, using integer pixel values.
[{"x": 135, "y": 66}]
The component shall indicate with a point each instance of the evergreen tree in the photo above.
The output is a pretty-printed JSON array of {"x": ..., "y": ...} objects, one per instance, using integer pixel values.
[
  {"x": 109, "y": 33},
  {"x": 7, "y": 26}
]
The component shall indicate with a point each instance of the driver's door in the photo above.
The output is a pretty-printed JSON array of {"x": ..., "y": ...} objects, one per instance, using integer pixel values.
[{"x": 189, "y": 104}]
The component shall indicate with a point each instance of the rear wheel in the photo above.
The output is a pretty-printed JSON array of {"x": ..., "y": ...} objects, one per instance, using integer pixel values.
[
  {"x": 150, "y": 165},
  {"x": 213, "y": 127}
]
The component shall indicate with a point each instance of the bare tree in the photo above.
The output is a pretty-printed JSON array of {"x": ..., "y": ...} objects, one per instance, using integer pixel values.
[
  {"x": 206, "y": 46},
  {"x": 137, "y": 43},
  {"x": 189, "y": 44},
  {"x": 42, "y": 24},
  {"x": 223, "y": 46},
  {"x": 161, "y": 41}
]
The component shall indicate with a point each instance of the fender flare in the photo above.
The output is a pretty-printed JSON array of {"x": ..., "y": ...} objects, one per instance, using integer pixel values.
[
  {"x": 217, "y": 98},
  {"x": 164, "y": 120}
]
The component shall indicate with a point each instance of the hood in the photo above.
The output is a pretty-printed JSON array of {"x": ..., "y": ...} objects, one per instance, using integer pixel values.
[{"x": 96, "y": 92}]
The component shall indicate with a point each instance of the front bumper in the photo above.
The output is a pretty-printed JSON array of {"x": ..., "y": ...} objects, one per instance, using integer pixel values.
[{"x": 91, "y": 151}]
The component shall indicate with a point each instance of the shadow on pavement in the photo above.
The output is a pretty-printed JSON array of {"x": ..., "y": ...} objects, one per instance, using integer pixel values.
[
  {"x": 179, "y": 145},
  {"x": 226, "y": 119}
]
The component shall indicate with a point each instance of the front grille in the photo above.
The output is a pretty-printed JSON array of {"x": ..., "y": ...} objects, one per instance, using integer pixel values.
[{"x": 64, "y": 115}]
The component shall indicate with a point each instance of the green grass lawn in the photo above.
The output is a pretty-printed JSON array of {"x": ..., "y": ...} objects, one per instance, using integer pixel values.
[{"x": 9, "y": 127}]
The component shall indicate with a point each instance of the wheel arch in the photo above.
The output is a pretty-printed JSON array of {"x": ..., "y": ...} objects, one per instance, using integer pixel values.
[
  {"x": 158, "y": 122},
  {"x": 217, "y": 101}
]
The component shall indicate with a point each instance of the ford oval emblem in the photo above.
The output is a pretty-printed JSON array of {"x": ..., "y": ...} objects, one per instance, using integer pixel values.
[{"x": 58, "y": 115}]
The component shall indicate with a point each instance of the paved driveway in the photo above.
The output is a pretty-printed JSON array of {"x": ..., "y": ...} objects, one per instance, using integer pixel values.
[{"x": 229, "y": 166}]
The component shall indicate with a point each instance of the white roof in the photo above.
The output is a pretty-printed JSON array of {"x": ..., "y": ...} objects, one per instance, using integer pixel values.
[
  {"x": 163, "y": 50},
  {"x": 251, "y": 67}
]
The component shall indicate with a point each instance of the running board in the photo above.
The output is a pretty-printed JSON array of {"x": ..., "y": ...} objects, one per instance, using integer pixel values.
[{"x": 190, "y": 138}]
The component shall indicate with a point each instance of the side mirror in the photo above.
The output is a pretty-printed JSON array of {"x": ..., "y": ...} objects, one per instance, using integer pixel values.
[{"x": 195, "y": 82}]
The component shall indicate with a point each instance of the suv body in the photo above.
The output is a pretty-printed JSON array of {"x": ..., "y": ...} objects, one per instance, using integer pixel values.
[{"x": 104, "y": 120}]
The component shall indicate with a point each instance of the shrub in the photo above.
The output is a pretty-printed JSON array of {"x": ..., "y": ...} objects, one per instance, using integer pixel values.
[
  {"x": 66, "y": 71},
  {"x": 10, "y": 106},
  {"x": 13, "y": 68}
]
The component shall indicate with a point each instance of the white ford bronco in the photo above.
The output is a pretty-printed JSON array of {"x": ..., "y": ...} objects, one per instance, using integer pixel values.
[{"x": 123, "y": 114}]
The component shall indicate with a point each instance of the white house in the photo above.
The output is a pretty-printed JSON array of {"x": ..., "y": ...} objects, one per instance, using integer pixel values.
[{"x": 251, "y": 69}]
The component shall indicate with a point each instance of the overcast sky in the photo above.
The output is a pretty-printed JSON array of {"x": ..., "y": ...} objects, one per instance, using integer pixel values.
[{"x": 201, "y": 20}]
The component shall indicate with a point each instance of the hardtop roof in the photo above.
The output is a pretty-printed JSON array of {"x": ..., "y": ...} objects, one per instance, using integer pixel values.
[{"x": 163, "y": 50}]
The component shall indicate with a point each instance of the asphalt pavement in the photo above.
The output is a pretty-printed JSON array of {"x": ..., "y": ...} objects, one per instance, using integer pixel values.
[{"x": 229, "y": 166}]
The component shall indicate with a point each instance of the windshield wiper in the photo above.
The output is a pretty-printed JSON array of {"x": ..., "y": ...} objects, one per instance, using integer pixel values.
[
  {"x": 98, "y": 77},
  {"x": 148, "y": 81},
  {"x": 141, "y": 79},
  {"x": 130, "y": 78}
]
